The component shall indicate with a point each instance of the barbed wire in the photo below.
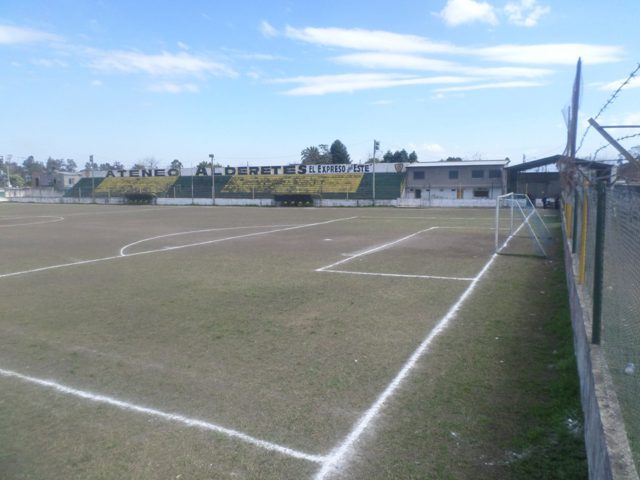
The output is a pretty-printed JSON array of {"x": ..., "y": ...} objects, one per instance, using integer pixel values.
[
  {"x": 609, "y": 102},
  {"x": 619, "y": 139}
]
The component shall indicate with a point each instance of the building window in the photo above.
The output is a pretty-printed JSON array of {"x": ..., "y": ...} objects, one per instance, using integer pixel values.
[
  {"x": 495, "y": 173},
  {"x": 477, "y": 173},
  {"x": 453, "y": 174},
  {"x": 418, "y": 193},
  {"x": 418, "y": 175},
  {"x": 481, "y": 193}
]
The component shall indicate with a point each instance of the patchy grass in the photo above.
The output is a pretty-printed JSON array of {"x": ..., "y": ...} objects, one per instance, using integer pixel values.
[
  {"x": 498, "y": 394},
  {"x": 245, "y": 334}
]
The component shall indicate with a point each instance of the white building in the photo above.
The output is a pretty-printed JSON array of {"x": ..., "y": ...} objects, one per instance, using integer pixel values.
[{"x": 461, "y": 180}]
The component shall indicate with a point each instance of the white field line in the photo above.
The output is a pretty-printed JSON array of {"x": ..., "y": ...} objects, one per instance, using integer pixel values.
[
  {"x": 236, "y": 237},
  {"x": 122, "y": 250},
  {"x": 339, "y": 455},
  {"x": 401, "y": 275},
  {"x": 371, "y": 217},
  {"x": 372, "y": 250},
  {"x": 172, "y": 417},
  {"x": 51, "y": 219},
  {"x": 160, "y": 250}
]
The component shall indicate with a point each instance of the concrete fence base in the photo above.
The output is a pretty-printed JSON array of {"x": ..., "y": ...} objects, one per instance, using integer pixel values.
[{"x": 608, "y": 453}]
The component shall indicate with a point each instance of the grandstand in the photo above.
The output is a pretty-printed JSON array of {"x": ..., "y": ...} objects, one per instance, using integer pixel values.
[
  {"x": 122, "y": 185},
  {"x": 349, "y": 186}
]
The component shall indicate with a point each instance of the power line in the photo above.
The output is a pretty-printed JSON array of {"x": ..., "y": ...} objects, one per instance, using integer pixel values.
[
  {"x": 610, "y": 101},
  {"x": 626, "y": 137}
]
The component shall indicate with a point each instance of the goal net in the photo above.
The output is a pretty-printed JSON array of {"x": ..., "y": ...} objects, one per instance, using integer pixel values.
[{"x": 519, "y": 229}]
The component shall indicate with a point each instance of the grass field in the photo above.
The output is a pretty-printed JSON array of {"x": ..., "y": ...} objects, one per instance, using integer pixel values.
[{"x": 198, "y": 342}]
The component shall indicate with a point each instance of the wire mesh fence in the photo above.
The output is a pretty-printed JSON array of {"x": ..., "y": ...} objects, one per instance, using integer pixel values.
[{"x": 607, "y": 252}]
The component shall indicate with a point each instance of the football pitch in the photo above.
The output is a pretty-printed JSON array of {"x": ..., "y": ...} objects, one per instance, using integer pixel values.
[{"x": 271, "y": 343}]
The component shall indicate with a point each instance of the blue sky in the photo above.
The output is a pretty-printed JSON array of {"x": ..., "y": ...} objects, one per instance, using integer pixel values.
[{"x": 257, "y": 82}]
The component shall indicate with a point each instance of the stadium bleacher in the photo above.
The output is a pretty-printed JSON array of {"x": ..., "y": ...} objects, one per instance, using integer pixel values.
[{"x": 354, "y": 186}]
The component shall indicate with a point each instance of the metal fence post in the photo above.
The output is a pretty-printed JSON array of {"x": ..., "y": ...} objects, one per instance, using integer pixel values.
[
  {"x": 574, "y": 228},
  {"x": 598, "y": 264}
]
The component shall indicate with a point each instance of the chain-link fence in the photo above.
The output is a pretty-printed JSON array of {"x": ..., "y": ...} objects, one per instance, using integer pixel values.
[{"x": 603, "y": 226}]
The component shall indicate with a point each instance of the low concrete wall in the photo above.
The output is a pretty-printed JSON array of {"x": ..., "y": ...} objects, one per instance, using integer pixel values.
[
  {"x": 445, "y": 203},
  {"x": 608, "y": 453},
  {"x": 267, "y": 202}
]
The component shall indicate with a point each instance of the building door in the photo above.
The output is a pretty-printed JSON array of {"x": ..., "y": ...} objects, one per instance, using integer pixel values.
[
  {"x": 417, "y": 193},
  {"x": 459, "y": 193}
]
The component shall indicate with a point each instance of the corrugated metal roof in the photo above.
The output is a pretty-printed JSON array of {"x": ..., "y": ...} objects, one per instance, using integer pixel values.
[{"x": 469, "y": 163}]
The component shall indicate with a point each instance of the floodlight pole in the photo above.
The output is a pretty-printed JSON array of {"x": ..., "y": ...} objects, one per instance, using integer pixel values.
[
  {"x": 213, "y": 180},
  {"x": 93, "y": 180},
  {"x": 376, "y": 145}
]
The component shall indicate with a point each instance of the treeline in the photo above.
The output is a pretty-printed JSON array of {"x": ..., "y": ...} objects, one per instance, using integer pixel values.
[{"x": 337, "y": 153}]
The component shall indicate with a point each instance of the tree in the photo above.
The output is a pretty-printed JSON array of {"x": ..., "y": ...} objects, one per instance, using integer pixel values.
[
  {"x": 150, "y": 163},
  {"x": 310, "y": 156},
  {"x": 452, "y": 159},
  {"x": 70, "y": 165},
  {"x": 176, "y": 164},
  {"x": 387, "y": 157},
  {"x": 54, "y": 165},
  {"x": 400, "y": 156},
  {"x": 31, "y": 166},
  {"x": 111, "y": 166},
  {"x": 413, "y": 157},
  {"x": 339, "y": 153},
  {"x": 325, "y": 154}
]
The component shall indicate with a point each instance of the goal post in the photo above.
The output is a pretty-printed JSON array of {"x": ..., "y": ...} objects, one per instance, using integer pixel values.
[{"x": 519, "y": 228}]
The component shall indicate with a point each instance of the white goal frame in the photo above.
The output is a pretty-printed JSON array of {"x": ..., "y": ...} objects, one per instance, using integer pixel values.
[{"x": 521, "y": 209}]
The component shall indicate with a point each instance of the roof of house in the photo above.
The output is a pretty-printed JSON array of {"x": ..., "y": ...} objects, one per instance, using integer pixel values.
[{"x": 464, "y": 163}]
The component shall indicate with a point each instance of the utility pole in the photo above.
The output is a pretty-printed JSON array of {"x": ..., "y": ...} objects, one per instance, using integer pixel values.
[
  {"x": 376, "y": 147},
  {"x": 93, "y": 180},
  {"x": 213, "y": 180}
]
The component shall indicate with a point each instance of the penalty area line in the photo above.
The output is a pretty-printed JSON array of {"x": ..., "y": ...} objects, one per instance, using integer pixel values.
[
  {"x": 373, "y": 250},
  {"x": 401, "y": 275},
  {"x": 339, "y": 454},
  {"x": 172, "y": 417}
]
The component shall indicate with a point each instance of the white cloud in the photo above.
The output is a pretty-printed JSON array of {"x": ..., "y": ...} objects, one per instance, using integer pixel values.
[
  {"x": 96, "y": 83},
  {"x": 349, "y": 83},
  {"x": 10, "y": 35},
  {"x": 169, "y": 87},
  {"x": 415, "y": 62},
  {"x": 458, "y": 12},
  {"x": 428, "y": 147},
  {"x": 525, "y": 13},
  {"x": 551, "y": 54},
  {"x": 375, "y": 43},
  {"x": 489, "y": 86},
  {"x": 395, "y": 61},
  {"x": 183, "y": 46},
  {"x": 613, "y": 86},
  {"x": 369, "y": 40},
  {"x": 49, "y": 62},
  {"x": 267, "y": 30},
  {"x": 164, "y": 64}
]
